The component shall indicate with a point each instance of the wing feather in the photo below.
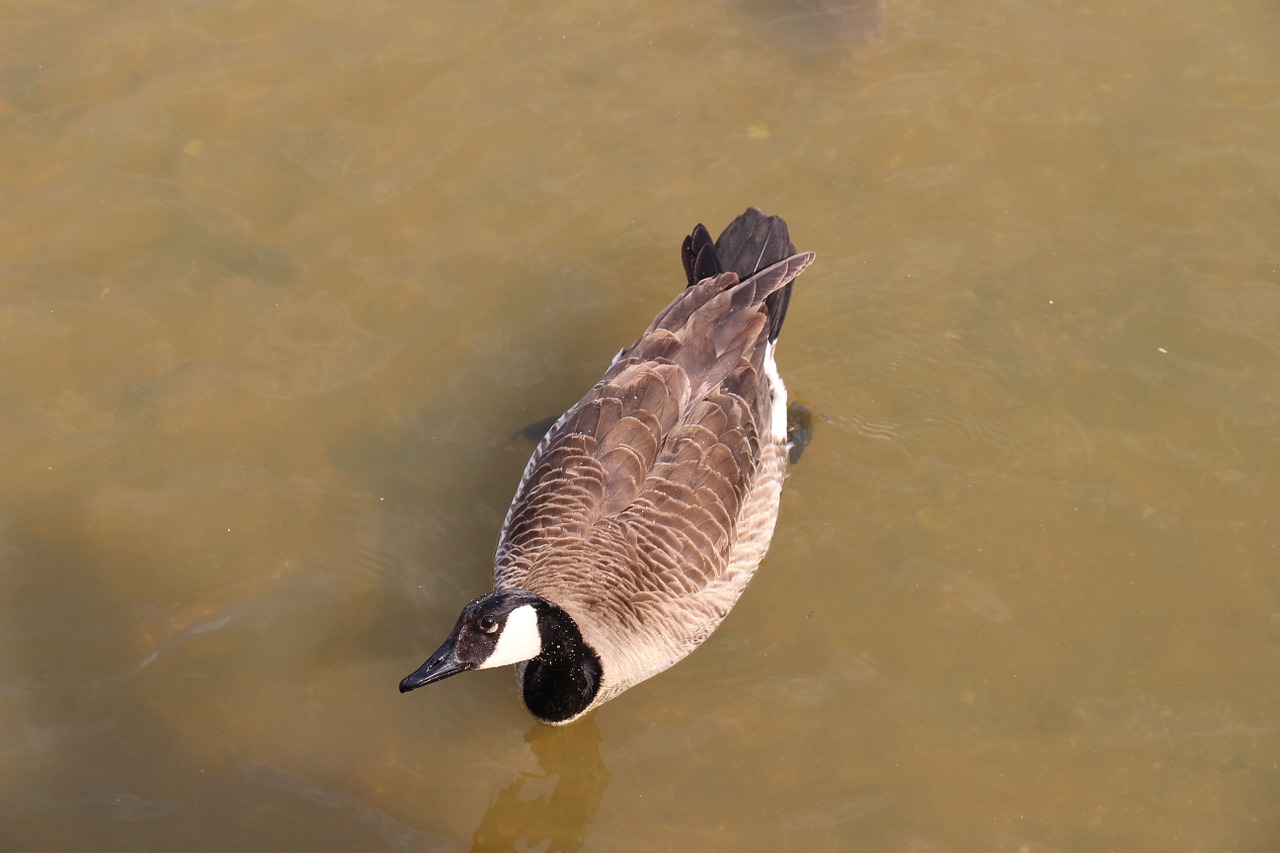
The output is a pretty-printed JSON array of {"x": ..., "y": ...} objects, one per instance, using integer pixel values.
[{"x": 645, "y": 478}]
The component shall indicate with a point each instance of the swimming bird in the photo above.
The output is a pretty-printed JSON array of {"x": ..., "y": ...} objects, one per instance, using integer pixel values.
[{"x": 647, "y": 507}]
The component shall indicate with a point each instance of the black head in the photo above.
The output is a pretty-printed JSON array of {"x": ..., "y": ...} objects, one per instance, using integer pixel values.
[{"x": 496, "y": 629}]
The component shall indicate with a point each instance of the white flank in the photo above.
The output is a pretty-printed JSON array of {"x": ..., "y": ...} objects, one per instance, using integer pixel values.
[
  {"x": 778, "y": 425},
  {"x": 519, "y": 639}
]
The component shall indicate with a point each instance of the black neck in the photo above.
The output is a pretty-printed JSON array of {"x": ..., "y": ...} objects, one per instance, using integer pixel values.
[{"x": 562, "y": 681}]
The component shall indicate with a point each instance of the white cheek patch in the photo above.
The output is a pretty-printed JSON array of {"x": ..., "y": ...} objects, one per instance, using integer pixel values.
[{"x": 519, "y": 639}]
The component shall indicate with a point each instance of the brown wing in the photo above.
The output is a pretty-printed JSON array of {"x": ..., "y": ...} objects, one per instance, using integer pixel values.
[
  {"x": 657, "y": 457},
  {"x": 686, "y": 512}
]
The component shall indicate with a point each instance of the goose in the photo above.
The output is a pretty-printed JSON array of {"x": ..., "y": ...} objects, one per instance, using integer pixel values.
[{"x": 647, "y": 507}]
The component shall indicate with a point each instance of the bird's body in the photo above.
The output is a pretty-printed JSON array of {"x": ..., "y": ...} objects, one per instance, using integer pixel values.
[{"x": 646, "y": 508}]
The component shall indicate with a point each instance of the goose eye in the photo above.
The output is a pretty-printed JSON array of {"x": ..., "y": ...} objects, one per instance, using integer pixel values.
[{"x": 488, "y": 624}]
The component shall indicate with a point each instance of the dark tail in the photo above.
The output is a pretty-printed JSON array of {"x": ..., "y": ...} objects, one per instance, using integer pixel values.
[{"x": 749, "y": 244}]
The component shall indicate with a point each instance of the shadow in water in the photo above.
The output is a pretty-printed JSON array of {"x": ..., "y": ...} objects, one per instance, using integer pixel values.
[{"x": 559, "y": 804}]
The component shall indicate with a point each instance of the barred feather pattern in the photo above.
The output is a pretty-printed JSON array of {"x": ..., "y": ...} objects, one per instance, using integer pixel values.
[{"x": 647, "y": 507}]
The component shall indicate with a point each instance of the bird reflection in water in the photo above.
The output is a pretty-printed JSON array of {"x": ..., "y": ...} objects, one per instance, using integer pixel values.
[
  {"x": 557, "y": 805},
  {"x": 858, "y": 26}
]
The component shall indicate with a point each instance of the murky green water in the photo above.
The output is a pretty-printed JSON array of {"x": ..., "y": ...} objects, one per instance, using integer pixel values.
[{"x": 279, "y": 281}]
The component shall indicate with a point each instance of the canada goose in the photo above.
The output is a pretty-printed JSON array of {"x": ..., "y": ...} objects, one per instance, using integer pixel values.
[{"x": 647, "y": 507}]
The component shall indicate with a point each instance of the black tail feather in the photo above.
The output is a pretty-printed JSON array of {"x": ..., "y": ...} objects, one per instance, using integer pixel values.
[
  {"x": 699, "y": 256},
  {"x": 749, "y": 244}
]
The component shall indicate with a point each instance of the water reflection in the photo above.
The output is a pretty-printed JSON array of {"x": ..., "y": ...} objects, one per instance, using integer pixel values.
[
  {"x": 279, "y": 280},
  {"x": 857, "y": 26},
  {"x": 557, "y": 806}
]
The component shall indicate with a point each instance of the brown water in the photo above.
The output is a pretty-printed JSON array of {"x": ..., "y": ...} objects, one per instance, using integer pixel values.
[{"x": 279, "y": 281}]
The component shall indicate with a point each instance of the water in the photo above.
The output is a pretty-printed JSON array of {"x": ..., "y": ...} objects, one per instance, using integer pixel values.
[{"x": 281, "y": 281}]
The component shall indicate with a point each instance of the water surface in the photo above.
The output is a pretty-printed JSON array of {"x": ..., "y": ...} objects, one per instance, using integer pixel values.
[{"x": 281, "y": 281}]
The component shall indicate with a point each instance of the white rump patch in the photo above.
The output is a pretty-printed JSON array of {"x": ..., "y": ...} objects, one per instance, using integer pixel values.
[
  {"x": 519, "y": 640},
  {"x": 778, "y": 419}
]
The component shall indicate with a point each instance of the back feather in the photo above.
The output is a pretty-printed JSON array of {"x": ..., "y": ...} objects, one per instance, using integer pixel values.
[
  {"x": 642, "y": 483},
  {"x": 748, "y": 245}
]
